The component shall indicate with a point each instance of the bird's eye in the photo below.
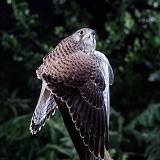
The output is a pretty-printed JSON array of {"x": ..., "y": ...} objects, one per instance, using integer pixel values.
[
  {"x": 93, "y": 33},
  {"x": 81, "y": 32}
]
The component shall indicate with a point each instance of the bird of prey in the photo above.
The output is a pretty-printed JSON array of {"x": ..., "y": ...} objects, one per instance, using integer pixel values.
[{"x": 80, "y": 76}]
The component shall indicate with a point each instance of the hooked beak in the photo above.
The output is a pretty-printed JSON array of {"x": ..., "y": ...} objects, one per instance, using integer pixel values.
[{"x": 87, "y": 36}]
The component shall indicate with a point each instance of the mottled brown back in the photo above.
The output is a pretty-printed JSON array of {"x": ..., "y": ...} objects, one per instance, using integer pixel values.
[{"x": 74, "y": 73}]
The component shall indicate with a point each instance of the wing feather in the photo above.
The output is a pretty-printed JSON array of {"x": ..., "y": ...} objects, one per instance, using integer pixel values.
[{"x": 86, "y": 93}]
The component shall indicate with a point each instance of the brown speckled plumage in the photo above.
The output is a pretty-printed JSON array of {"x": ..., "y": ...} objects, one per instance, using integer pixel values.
[{"x": 74, "y": 72}]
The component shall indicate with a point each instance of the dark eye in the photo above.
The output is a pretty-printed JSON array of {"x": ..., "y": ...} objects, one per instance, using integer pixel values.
[
  {"x": 93, "y": 33},
  {"x": 81, "y": 32}
]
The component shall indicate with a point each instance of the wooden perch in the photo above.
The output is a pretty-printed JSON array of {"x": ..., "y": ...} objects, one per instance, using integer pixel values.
[{"x": 81, "y": 149}]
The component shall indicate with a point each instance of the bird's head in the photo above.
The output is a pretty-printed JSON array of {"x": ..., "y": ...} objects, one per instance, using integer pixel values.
[{"x": 86, "y": 38}]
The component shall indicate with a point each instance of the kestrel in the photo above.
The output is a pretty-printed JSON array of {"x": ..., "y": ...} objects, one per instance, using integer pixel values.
[{"x": 80, "y": 76}]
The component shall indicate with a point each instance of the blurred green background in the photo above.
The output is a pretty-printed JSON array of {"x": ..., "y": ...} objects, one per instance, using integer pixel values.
[{"x": 128, "y": 32}]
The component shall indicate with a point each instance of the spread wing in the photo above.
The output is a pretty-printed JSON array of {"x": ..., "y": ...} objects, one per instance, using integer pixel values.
[{"x": 80, "y": 81}]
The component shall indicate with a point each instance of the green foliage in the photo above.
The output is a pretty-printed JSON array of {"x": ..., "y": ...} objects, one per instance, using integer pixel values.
[
  {"x": 128, "y": 32},
  {"x": 151, "y": 136},
  {"x": 22, "y": 145}
]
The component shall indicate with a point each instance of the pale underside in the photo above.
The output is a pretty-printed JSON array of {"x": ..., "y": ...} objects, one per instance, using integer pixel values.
[{"x": 83, "y": 84}]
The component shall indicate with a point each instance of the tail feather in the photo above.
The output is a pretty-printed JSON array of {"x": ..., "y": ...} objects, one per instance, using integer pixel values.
[{"x": 45, "y": 107}]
